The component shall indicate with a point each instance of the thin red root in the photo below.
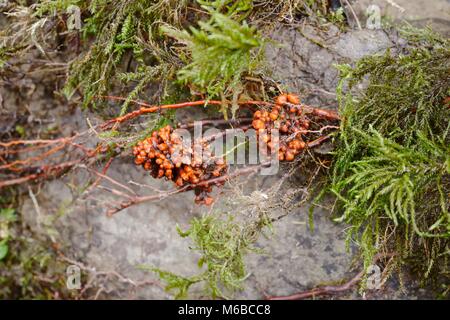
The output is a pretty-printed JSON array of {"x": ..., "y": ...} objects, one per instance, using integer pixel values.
[{"x": 147, "y": 108}]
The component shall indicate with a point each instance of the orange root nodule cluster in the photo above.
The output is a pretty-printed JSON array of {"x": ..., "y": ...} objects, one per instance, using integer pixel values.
[
  {"x": 289, "y": 120},
  {"x": 165, "y": 155}
]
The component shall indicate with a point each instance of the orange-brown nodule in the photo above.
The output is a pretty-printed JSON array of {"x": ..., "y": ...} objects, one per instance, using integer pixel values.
[
  {"x": 290, "y": 122},
  {"x": 281, "y": 99},
  {"x": 289, "y": 155},
  {"x": 156, "y": 155},
  {"x": 285, "y": 98},
  {"x": 258, "y": 124},
  {"x": 208, "y": 201},
  {"x": 273, "y": 115},
  {"x": 284, "y": 128},
  {"x": 293, "y": 98}
]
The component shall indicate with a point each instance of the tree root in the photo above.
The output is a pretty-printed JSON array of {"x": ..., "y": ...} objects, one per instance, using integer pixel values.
[{"x": 331, "y": 290}]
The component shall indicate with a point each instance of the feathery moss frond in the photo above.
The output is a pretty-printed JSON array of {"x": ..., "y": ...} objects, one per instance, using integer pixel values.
[
  {"x": 222, "y": 243},
  {"x": 391, "y": 172},
  {"x": 124, "y": 31},
  {"x": 221, "y": 51}
]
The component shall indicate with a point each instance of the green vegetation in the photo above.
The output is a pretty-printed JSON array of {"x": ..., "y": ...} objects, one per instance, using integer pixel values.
[
  {"x": 222, "y": 243},
  {"x": 7, "y": 217},
  {"x": 392, "y": 167},
  {"x": 221, "y": 52},
  {"x": 124, "y": 49},
  {"x": 29, "y": 268},
  {"x": 129, "y": 48}
]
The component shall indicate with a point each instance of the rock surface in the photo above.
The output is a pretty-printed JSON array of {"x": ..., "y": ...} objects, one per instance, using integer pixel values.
[{"x": 294, "y": 258}]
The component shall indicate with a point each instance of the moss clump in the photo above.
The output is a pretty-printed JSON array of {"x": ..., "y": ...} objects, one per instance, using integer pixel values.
[
  {"x": 124, "y": 51},
  {"x": 222, "y": 243},
  {"x": 126, "y": 48},
  {"x": 220, "y": 52},
  {"x": 392, "y": 168},
  {"x": 29, "y": 267}
]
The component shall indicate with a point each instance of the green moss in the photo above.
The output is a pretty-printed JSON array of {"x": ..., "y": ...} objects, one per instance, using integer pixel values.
[
  {"x": 220, "y": 52},
  {"x": 392, "y": 168},
  {"x": 124, "y": 51},
  {"x": 125, "y": 39},
  {"x": 29, "y": 267},
  {"x": 222, "y": 243}
]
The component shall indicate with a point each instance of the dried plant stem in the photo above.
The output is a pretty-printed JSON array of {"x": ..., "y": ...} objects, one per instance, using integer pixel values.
[
  {"x": 322, "y": 291},
  {"x": 330, "y": 290},
  {"x": 47, "y": 165},
  {"x": 46, "y": 172}
]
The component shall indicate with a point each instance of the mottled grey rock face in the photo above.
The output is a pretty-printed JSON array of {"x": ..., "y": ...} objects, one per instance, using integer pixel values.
[
  {"x": 297, "y": 259},
  {"x": 305, "y": 57},
  {"x": 294, "y": 257},
  {"x": 358, "y": 44},
  {"x": 142, "y": 235}
]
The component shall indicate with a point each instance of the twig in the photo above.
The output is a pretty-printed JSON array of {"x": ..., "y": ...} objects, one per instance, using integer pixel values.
[
  {"x": 140, "y": 199},
  {"x": 215, "y": 122},
  {"x": 330, "y": 290},
  {"x": 321, "y": 291},
  {"x": 59, "y": 145},
  {"x": 105, "y": 177},
  {"x": 47, "y": 171},
  {"x": 36, "y": 206},
  {"x": 94, "y": 275},
  {"x": 217, "y": 181},
  {"x": 105, "y": 169}
]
